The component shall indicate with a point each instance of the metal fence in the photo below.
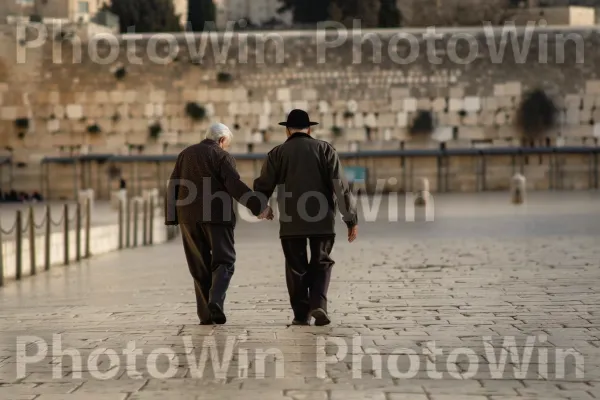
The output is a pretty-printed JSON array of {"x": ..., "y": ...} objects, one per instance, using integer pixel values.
[{"x": 134, "y": 213}]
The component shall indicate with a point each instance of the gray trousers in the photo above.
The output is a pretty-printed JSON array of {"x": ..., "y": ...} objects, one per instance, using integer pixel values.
[{"x": 210, "y": 254}]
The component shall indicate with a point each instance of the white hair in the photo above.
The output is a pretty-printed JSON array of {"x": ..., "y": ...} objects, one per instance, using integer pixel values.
[{"x": 217, "y": 131}]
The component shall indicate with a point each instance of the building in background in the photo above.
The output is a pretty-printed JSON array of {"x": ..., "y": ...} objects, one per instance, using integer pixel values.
[
  {"x": 72, "y": 10},
  {"x": 569, "y": 15},
  {"x": 181, "y": 9}
]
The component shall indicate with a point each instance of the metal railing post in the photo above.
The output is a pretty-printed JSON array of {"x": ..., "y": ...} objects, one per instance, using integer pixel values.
[
  {"x": 145, "y": 223},
  {"x": 47, "y": 239},
  {"x": 19, "y": 245},
  {"x": 135, "y": 223},
  {"x": 32, "y": 241},
  {"x": 151, "y": 228},
  {"x": 121, "y": 227},
  {"x": 128, "y": 223},
  {"x": 88, "y": 228},
  {"x": 78, "y": 232},
  {"x": 66, "y": 233}
]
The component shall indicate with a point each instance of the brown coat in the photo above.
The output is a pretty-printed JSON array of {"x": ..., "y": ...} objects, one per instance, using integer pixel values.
[
  {"x": 310, "y": 179},
  {"x": 207, "y": 175}
]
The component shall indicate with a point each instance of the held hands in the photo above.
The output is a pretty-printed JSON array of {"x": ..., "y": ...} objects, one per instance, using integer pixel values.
[
  {"x": 352, "y": 233},
  {"x": 267, "y": 214}
]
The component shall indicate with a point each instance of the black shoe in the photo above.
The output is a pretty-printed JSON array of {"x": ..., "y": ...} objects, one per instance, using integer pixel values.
[
  {"x": 320, "y": 316},
  {"x": 217, "y": 314},
  {"x": 206, "y": 322},
  {"x": 303, "y": 322}
]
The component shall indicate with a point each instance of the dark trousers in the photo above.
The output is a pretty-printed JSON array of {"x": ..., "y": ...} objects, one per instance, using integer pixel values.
[
  {"x": 307, "y": 280},
  {"x": 210, "y": 254}
]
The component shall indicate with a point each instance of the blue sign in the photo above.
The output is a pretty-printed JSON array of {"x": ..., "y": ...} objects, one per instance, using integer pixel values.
[{"x": 355, "y": 174}]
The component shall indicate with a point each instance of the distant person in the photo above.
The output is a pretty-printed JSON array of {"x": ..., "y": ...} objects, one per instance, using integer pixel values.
[{"x": 122, "y": 184}]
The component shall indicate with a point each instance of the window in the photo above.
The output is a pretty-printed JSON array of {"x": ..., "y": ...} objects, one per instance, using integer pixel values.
[{"x": 83, "y": 7}]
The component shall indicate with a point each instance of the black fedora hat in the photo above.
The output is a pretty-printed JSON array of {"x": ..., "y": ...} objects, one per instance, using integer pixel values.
[{"x": 298, "y": 119}]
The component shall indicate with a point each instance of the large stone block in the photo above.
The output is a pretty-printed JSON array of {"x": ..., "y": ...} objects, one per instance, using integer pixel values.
[
  {"x": 592, "y": 87},
  {"x": 512, "y": 89},
  {"x": 424, "y": 104},
  {"x": 410, "y": 104},
  {"x": 59, "y": 111},
  {"x": 158, "y": 96},
  {"x": 74, "y": 111},
  {"x": 472, "y": 104},
  {"x": 284, "y": 95},
  {"x": 573, "y": 116},
  {"x": 443, "y": 133},
  {"x": 402, "y": 119},
  {"x": 8, "y": 113},
  {"x": 387, "y": 120},
  {"x": 399, "y": 93},
  {"x": 456, "y": 105},
  {"x": 149, "y": 110},
  {"x": 457, "y": 92},
  {"x": 101, "y": 97},
  {"x": 439, "y": 104}
]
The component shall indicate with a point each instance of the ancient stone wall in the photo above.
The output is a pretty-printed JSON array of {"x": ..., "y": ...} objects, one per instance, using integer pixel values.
[{"x": 98, "y": 98}]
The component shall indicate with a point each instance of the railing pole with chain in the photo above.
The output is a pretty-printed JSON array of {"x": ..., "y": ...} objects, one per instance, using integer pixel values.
[
  {"x": 66, "y": 223},
  {"x": 88, "y": 228},
  {"x": 32, "y": 240},
  {"x": 19, "y": 245},
  {"x": 78, "y": 232},
  {"x": 135, "y": 222},
  {"x": 47, "y": 239},
  {"x": 145, "y": 223}
]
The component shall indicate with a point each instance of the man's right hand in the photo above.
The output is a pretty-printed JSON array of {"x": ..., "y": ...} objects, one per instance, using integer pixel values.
[
  {"x": 352, "y": 233},
  {"x": 267, "y": 214}
]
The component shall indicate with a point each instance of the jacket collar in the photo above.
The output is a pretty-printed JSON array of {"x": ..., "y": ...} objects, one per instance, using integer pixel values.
[
  {"x": 209, "y": 142},
  {"x": 299, "y": 135}
]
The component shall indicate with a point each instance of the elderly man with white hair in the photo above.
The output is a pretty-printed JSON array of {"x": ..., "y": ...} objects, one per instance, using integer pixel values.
[{"x": 200, "y": 197}]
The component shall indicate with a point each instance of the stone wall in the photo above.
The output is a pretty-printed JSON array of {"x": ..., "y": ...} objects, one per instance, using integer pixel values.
[{"x": 64, "y": 91}]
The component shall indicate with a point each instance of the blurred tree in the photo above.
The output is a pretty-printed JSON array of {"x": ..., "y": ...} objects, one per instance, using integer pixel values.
[
  {"x": 346, "y": 11},
  {"x": 307, "y": 11},
  {"x": 389, "y": 14},
  {"x": 199, "y": 13},
  {"x": 145, "y": 15},
  {"x": 437, "y": 13}
]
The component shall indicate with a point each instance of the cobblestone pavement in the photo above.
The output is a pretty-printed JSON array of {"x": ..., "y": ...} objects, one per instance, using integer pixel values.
[{"x": 498, "y": 304}]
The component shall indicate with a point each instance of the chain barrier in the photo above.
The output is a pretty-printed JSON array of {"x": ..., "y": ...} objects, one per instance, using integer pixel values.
[
  {"x": 26, "y": 223},
  {"x": 60, "y": 221},
  {"x": 42, "y": 224},
  {"x": 11, "y": 230}
]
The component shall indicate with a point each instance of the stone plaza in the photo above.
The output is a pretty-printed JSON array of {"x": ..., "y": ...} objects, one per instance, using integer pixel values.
[{"x": 487, "y": 301}]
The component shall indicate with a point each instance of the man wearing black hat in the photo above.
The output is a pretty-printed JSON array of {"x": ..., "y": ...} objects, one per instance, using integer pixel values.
[{"x": 309, "y": 178}]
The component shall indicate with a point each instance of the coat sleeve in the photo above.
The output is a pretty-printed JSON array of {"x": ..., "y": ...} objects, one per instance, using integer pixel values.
[
  {"x": 171, "y": 195},
  {"x": 238, "y": 189},
  {"x": 345, "y": 199},
  {"x": 267, "y": 181}
]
